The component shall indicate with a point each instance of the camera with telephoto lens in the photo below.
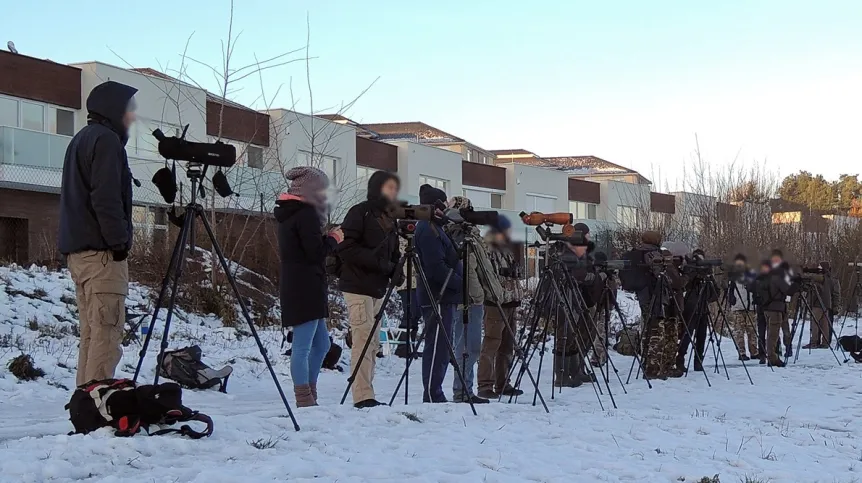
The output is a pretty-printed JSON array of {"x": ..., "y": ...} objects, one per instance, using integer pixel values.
[
  {"x": 401, "y": 210},
  {"x": 815, "y": 275},
  {"x": 472, "y": 217},
  {"x": 217, "y": 154},
  {"x": 567, "y": 235},
  {"x": 537, "y": 218}
]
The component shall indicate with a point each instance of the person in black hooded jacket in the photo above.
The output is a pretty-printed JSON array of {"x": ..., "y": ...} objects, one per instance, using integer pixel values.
[
  {"x": 369, "y": 257},
  {"x": 303, "y": 247},
  {"x": 96, "y": 226}
]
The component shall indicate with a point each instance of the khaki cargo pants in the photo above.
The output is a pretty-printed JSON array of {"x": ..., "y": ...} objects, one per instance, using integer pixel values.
[
  {"x": 361, "y": 310},
  {"x": 101, "y": 286}
]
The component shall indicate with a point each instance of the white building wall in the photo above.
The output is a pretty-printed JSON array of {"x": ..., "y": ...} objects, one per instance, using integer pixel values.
[
  {"x": 298, "y": 139},
  {"x": 161, "y": 104},
  {"x": 525, "y": 183},
  {"x": 617, "y": 194},
  {"x": 418, "y": 160}
]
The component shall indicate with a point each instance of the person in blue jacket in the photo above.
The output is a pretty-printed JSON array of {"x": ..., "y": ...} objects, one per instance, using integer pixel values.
[{"x": 437, "y": 255}]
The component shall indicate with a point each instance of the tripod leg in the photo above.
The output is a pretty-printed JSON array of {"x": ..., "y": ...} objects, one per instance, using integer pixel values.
[
  {"x": 178, "y": 249},
  {"x": 374, "y": 333},
  {"x": 184, "y": 233},
  {"x": 246, "y": 315}
]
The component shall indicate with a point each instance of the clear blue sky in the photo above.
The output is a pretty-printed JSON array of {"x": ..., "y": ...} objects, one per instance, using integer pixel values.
[{"x": 630, "y": 81}]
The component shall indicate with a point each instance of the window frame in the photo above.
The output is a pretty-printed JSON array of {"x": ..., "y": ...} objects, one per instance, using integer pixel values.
[
  {"x": 425, "y": 179},
  {"x": 248, "y": 156}
]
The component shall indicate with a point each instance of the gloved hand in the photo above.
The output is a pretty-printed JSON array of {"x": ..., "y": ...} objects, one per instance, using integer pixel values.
[
  {"x": 590, "y": 277},
  {"x": 387, "y": 267},
  {"x": 398, "y": 278},
  {"x": 120, "y": 255}
]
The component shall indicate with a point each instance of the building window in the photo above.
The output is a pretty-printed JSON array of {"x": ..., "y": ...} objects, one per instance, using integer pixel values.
[
  {"x": 541, "y": 203},
  {"x": 32, "y": 116},
  {"x": 149, "y": 223},
  {"x": 627, "y": 216},
  {"x": 65, "y": 122},
  {"x": 435, "y": 182},
  {"x": 255, "y": 157},
  {"x": 469, "y": 154},
  {"x": 583, "y": 211},
  {"x": 8, "y": 112},
  {"x": 363, "y": 174},
  {"x": 480, "y": 199},
  {"x": 496, "y": 201}
]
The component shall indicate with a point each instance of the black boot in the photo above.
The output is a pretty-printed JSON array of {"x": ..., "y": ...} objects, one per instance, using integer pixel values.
[
  {"x": 698, "y": 364},
  {"x": 788, "y": 352},
  {"x": 578, "y": 369},
  {"x": 563, "y": 375}
]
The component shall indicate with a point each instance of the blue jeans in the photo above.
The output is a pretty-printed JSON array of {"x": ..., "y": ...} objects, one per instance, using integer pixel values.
[
  {"x": 435, "y": 354},
  {"x": 473, "y": 342},
  {"x": 310, "y": 345}
]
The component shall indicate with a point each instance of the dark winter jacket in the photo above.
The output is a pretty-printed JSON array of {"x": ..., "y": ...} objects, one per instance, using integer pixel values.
[
  {"x": 370, "y": 250},
  {"x": 830, "y": 293},
  {"x": 773, "y": 288},
  {"x": 302, "y": 249},
  {"x": 96, "y": 191},
  {"x": 437, "y": 255}
]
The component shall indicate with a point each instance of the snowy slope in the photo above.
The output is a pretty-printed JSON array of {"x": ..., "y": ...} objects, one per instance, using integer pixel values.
[{"x": 792, "y": 425}]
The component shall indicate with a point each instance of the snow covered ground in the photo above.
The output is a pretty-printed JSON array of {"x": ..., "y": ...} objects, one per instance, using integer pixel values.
[{"x": 793, "y": 425}]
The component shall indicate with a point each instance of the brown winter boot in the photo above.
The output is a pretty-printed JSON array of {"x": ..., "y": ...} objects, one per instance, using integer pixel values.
[
  {"x": 304, "y": 397},
  {"x": 313, "y": 388}
]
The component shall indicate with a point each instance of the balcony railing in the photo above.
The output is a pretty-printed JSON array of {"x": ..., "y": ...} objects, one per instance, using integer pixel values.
[{"x": 32, "y": 148}]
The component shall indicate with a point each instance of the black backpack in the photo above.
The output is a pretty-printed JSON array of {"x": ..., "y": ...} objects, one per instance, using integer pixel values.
[
  {"x": 123, "y": 405},
  {"x": 634, "y": 278},
  {"x": 184, "y": 366}
]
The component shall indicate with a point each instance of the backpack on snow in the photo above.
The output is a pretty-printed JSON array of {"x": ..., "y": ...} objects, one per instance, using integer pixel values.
[
  {"x": 123, "y": 405},
  {"x": 853, "y": 345},
  {"x": 184, "y": 366}
]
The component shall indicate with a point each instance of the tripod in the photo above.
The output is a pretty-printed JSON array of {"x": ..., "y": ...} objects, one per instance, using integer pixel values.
[
  {"x": 468, "y": 247},
  {"x": 855, "y": 295},
  {"x": 410, "y": 259},
  {"x": 549, "y": 301},
  {"x": 708, "y": 284},
  {"x": 661, "y": 290},
  {"x": 174, "y": 273},
  {"x": 803, "y": 307}
]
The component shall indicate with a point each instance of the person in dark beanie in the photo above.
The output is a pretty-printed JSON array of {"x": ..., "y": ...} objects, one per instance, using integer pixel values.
[
  {"x": 303, "y": 247},
  {"x": 498, "y": 344},
  {"x": 437, "y": 255},
  {"x": 369, "y": 255},
  {"x": 96, "y": 226}
]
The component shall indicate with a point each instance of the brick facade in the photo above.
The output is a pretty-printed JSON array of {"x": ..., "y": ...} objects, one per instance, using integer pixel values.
[
  {"x": 37, "y": 216},
  {"x": 40, "y": 80}
]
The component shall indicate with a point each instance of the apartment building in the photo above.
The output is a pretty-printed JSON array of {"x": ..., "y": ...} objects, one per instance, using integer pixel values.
[
  {"x": 421, "y": 133},
  {"x": 42, "y": 105}
]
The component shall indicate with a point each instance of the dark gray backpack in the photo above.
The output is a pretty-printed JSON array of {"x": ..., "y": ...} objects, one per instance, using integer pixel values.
[{"x": 184, "y": 366}]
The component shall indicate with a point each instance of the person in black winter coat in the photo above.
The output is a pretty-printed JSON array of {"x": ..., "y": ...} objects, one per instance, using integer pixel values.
[
  {"x": 369, "y": 257},
  {"x": 303, "y": 247},
  {"x": 96, "y": 226},
  {"x": 696, "y": 313},
  {"x": 437, "y": 255},
  {"x": 772, "y": 289}
]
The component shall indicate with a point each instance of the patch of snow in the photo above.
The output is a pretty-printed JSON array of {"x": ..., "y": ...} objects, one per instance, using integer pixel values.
[{"x": 793, "y": 425}]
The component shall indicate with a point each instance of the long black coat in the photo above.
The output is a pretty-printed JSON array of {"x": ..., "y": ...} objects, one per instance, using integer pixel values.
[
  {"x": 302, "y": 248},
  {"x": 96, "y": 193},
  {"x": 370, "y": 250}
]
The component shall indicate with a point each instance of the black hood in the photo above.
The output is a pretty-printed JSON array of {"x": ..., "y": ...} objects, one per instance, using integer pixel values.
[
  {"x": 429, "y": 195},
  {"x": 285, "y": 209},
  {"x": 107, "y": 104},
  {"x": 376, "y": 182}
]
